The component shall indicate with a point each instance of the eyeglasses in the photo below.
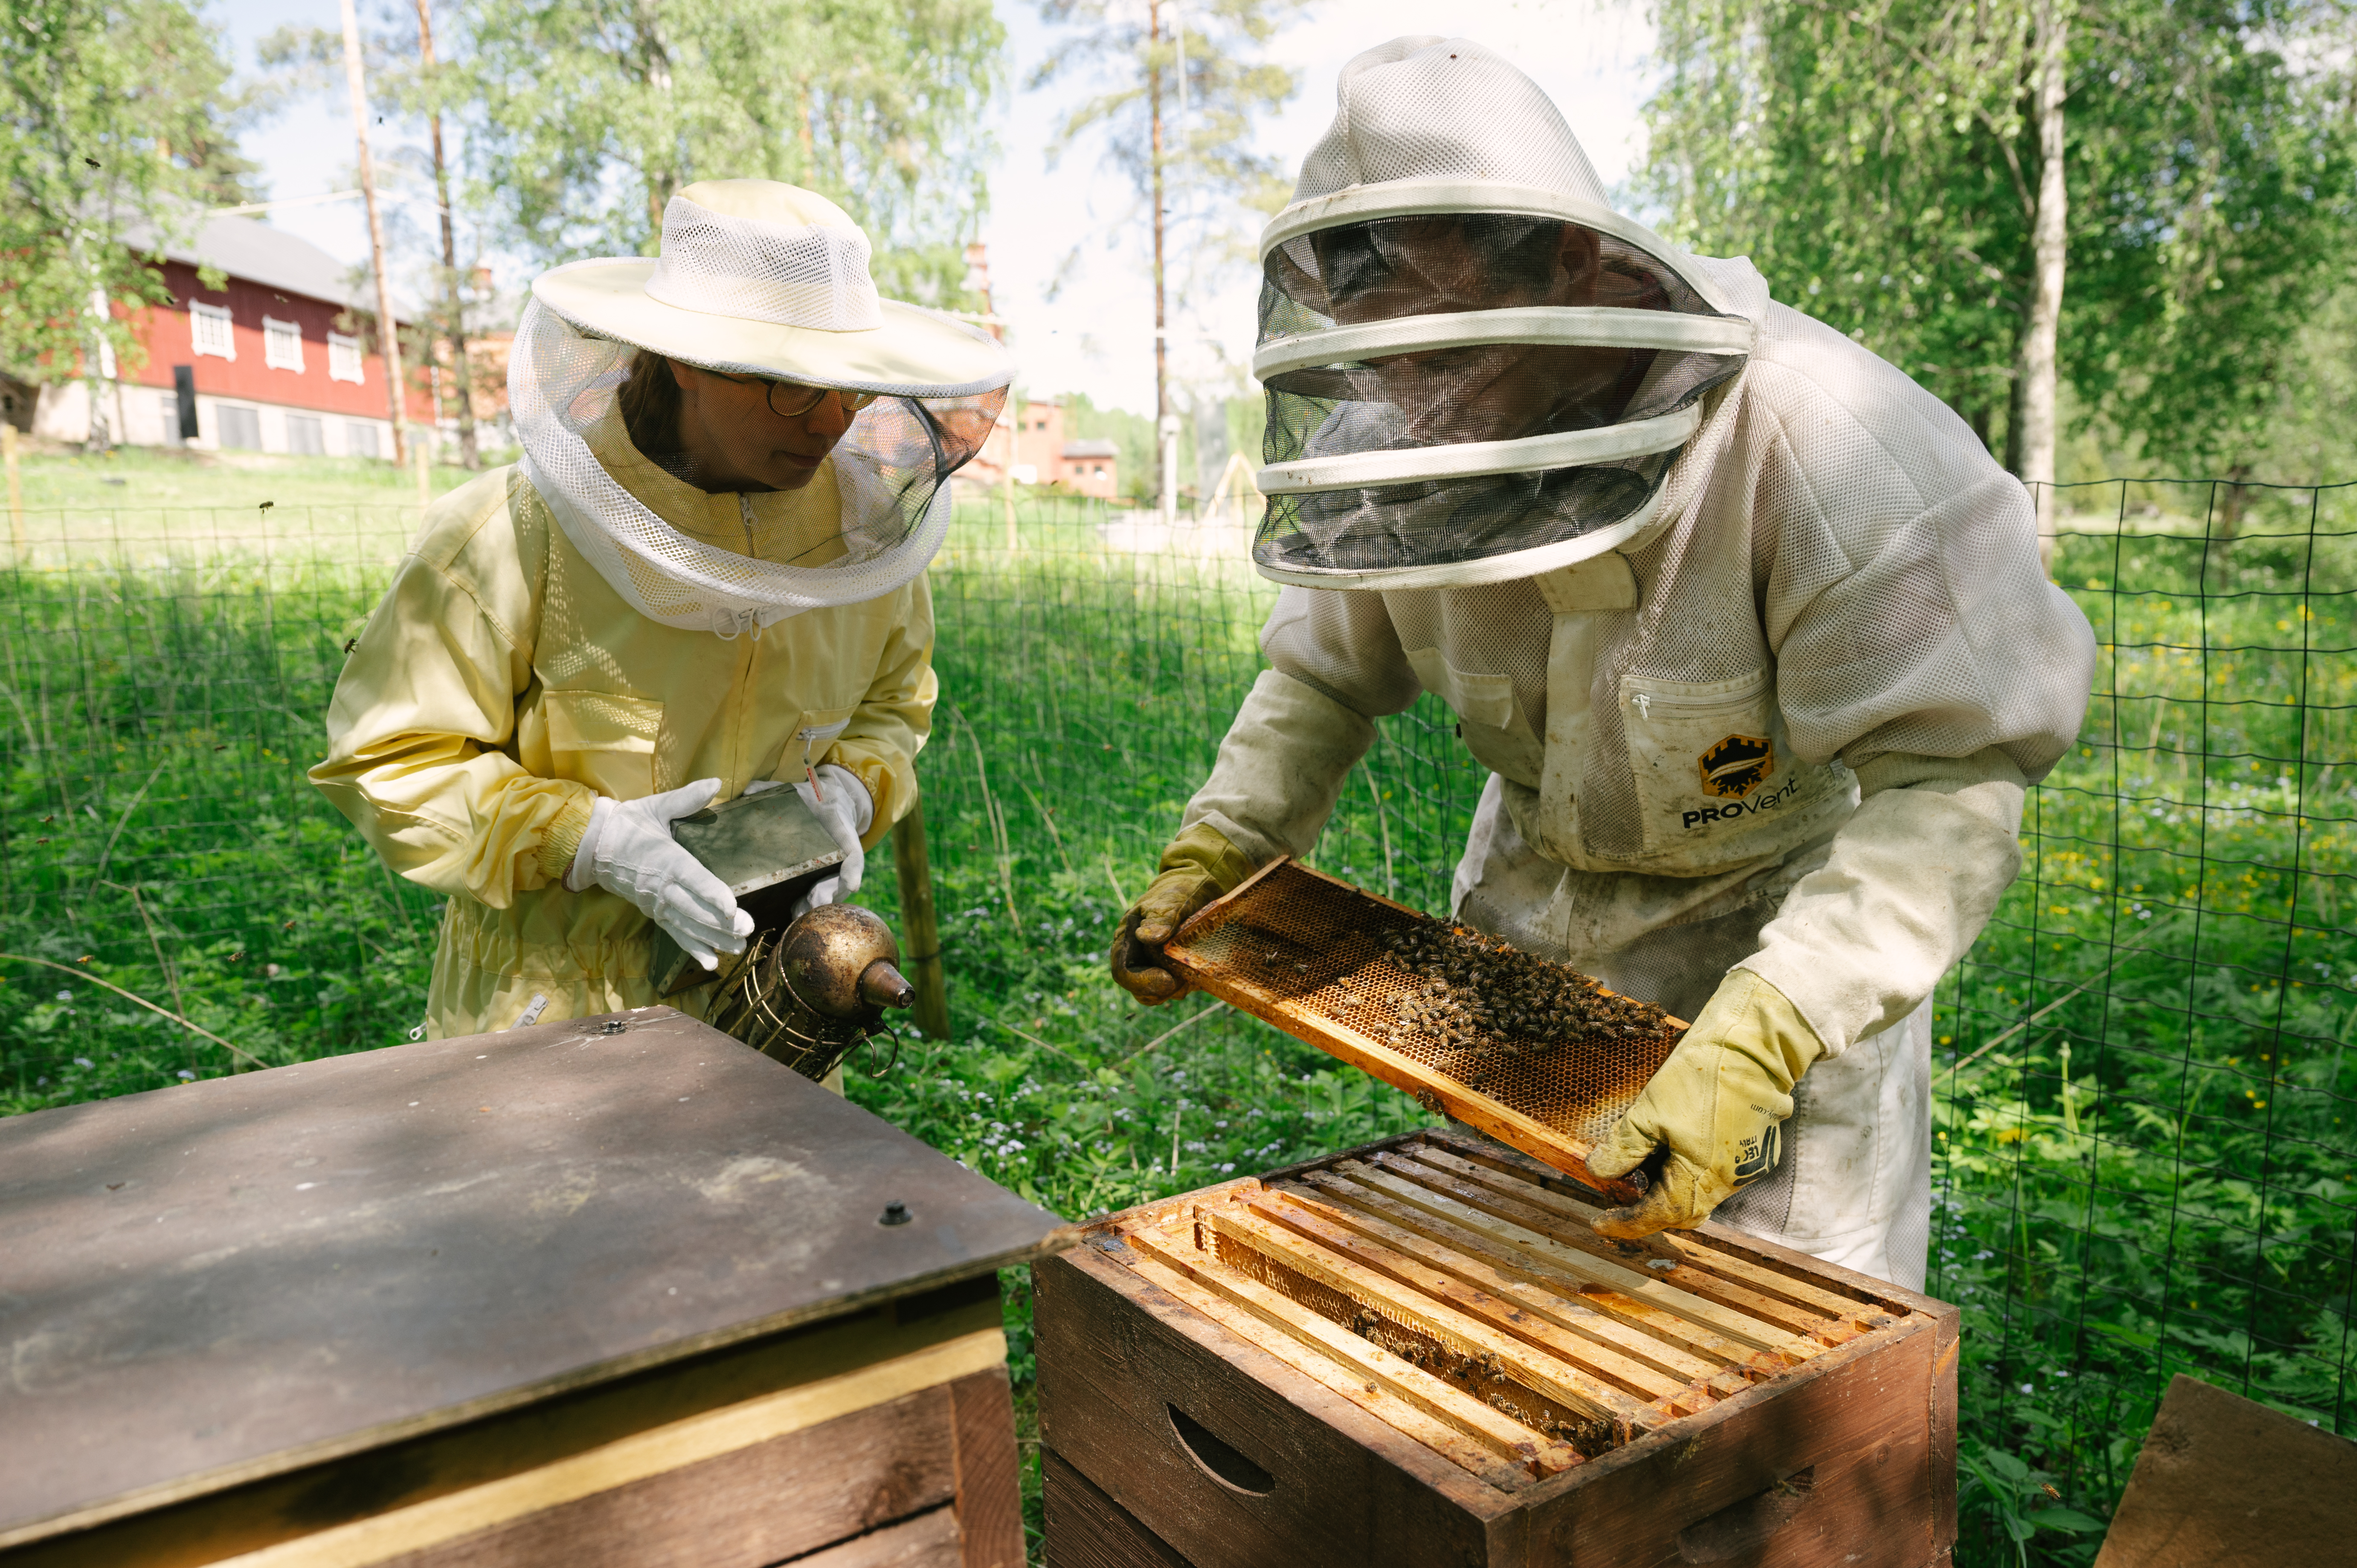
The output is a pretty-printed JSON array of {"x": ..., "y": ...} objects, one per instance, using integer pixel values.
[{"x": 791, "y": 400}]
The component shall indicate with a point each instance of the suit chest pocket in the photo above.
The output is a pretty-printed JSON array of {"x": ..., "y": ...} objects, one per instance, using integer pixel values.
[
  {"x": 1490, "y": 721},
  {"x": 1716, "y": 777},
  {"x": 604, "y": 741}
]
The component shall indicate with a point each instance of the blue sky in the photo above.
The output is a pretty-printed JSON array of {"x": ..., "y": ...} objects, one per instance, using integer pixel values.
[{"x": 1096, "y": 336}]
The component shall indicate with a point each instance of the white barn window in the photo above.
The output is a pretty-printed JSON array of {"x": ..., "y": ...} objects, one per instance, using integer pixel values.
[
  {"x": 210, "y": 330},
  {"x": 343, "y": 358},
  {"x": 281, "y": 344}
]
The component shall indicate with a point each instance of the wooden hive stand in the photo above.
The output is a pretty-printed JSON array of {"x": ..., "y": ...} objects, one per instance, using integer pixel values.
[
  {"x": 611, "y": 1292},
  {"x": 1418, "y": 1352}
]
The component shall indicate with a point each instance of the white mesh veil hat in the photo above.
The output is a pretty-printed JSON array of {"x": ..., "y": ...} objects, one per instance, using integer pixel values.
[
  {"x": 1475, "y": 369},
  {"x": 755, "y": 278}
]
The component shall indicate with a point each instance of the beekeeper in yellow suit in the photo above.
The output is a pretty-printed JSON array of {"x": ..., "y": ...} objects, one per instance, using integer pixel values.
[
  {"x": 1747, "y": 629},
  {"x": 705, "y": 578}
]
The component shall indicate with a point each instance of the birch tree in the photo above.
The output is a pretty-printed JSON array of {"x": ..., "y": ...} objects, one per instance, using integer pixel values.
[
  {"x": 2142, "y": 198},
  {"x": 587, "y": 114}
]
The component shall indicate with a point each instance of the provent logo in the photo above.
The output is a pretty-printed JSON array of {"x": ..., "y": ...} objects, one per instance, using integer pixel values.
[
  {"x": 1736, "y": 766},
  {"x": 1735, "y": 810}
]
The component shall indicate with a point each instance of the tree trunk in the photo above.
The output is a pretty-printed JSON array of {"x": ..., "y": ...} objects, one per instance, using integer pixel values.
[
  {"x": 2232, "y": 497},
  {"x": 98, "y": 439},
  {"x": 454, "y": 299},
  {"x": 655, "y": 71},
  {"x": 388, "y": 330},
  {"x": 1167, "y": 480},
  {"x": 2013, "y": 385},
  {"x": 2037, "y": 393}
]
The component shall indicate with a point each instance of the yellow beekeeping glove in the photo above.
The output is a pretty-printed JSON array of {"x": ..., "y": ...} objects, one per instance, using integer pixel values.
[
  {"x": 1200, "y": 865},
  {"x": 1718, "y": 1104}
]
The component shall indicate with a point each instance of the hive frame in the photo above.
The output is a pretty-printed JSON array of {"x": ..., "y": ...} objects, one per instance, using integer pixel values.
[
  {"x": 1355, "y": 1269},
  {"x": 1322, "y": 979}
]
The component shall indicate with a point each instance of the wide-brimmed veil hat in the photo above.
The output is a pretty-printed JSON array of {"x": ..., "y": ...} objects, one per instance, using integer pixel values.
[
  {"x": 759, "y": 278},
  {"x": 1476, "y": 370}
]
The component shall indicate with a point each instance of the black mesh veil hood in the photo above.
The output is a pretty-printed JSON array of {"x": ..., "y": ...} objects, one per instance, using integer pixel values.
[{"x": 1465, "y": 374}]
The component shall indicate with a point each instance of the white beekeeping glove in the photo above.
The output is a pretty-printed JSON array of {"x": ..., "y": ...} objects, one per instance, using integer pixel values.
[
  {"x": 839, "y": 799},
  {"x": 629, "y": 850}
]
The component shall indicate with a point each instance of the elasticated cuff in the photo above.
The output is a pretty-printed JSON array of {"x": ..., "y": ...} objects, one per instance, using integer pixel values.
[
  {"x": 875, "y": 776},
  {"x": 1945, "y": 775},
  {"x": 561, "y": 839},
  {"x": 1205, "y": 849}
]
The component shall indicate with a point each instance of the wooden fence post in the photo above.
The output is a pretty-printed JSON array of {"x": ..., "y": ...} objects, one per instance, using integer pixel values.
[
  {"x": 16, "y": 493},
  {"x": 921, "y": 961}
]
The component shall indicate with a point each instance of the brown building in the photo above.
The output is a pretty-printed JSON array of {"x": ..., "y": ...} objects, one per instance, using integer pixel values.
[
  {"x": 1093, "y": 468},
  {"x": 1032, "y": 437}
]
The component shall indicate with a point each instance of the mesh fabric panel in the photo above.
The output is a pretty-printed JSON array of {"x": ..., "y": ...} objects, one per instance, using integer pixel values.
[
  {"x": 893, "y": 467},
  {"x": 814, "y": 275},
  {"x": 1830, "y": 521},
  {"x": 1423, "y": 107},
  {"x": 1394, "y": 267},
  {"x": 1500, "y": 628}
]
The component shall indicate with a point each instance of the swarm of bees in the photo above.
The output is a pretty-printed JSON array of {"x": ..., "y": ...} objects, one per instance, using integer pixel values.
[{"x": 1492, "y": 1002}]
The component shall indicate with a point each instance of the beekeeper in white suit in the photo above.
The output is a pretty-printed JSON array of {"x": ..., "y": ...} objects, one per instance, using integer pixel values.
[{"x": 1748, "y": 629}]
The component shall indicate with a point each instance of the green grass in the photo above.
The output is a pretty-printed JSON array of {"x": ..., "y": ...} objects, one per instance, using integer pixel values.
[
  {"x": 156, "y": 478},
  {"x": 149, "y": 508},
  {"x": 2154, "y": 1176}
]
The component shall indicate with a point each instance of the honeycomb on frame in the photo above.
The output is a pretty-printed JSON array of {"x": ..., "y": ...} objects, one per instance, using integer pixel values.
[{"x": 1314, "y": 956}]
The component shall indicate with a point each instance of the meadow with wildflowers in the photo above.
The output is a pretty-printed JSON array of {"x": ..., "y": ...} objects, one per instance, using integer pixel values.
[{"x": 2143, "y": 1099}]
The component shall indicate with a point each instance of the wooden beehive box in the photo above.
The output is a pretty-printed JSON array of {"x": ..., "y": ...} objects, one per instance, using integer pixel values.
[
  {"x": 614, "y": 1290},
  {"x": 1418, "y": 1353}
]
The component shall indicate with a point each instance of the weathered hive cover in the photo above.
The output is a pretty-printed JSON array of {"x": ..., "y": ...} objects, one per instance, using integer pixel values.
[{"x": 239, "y": 1277}]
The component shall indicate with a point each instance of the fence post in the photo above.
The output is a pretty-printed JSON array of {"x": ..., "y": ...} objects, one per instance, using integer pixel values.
[
  {"x": 16, "y": 493},
  {"x": 922, "y": 961}
]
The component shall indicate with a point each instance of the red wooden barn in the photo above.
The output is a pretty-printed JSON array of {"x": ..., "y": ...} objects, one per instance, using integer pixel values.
[{"x": 259, "y": 364}]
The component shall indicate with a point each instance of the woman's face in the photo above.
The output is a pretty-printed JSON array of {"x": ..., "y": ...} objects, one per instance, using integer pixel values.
[{"x": 739, "y": 443}]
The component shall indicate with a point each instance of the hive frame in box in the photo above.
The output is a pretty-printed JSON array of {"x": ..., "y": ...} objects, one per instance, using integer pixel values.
[
  {"x": 1313, "y": 992},
  {"x": 1329, "y": 1365}
]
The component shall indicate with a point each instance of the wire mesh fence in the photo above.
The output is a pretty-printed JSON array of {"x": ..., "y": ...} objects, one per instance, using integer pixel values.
[
  {"x": 2144, "y": 1093},
  {"x": 2144, "y": 1101}
]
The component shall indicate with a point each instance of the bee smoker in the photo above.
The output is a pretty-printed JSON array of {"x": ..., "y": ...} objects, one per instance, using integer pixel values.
[
  {"x": 806, "y": 994},
  {"x": 807, "y": 989}
]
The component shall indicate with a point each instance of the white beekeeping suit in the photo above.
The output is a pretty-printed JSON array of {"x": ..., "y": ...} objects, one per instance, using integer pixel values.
[{"x": 1748, "y": 629}]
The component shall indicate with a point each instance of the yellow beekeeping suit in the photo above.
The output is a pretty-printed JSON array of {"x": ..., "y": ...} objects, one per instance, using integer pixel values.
[{"x": 502, "y": 685}]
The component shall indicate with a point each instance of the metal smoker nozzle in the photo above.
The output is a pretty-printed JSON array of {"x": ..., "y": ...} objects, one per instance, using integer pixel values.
[
  {"x": 883, "y": 986},
  {"x": 842, "y": 961}
]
